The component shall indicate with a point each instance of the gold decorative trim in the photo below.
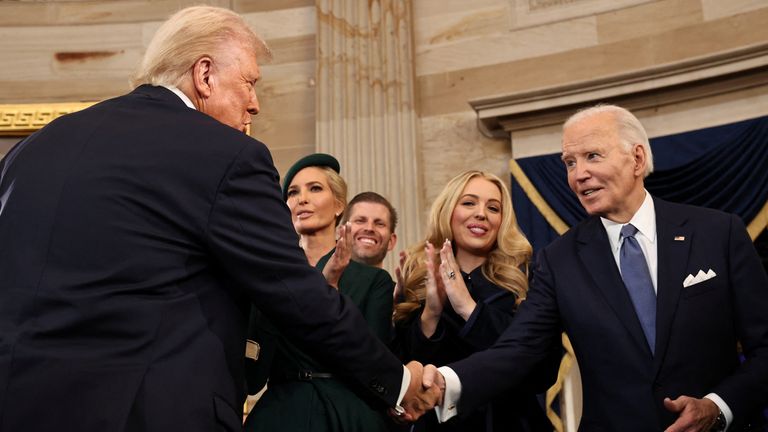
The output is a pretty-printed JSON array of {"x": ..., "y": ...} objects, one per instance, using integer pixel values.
[
  {"x": 565, "y": 366},
  {"x": 759, "y": 223},
  {"x": 24, "y": 119},
  {"x": 252, "y": 349},
  {"x": 552, "y": 218}
]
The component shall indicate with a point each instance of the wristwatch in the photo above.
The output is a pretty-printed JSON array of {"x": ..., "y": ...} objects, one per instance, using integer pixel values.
[{"x": 719, "y": 424}]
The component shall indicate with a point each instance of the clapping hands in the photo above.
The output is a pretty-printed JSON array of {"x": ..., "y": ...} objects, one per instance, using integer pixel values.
[
  {"x": 399, "y": 290},
  {"x": 444, "y": 282},
  {"x": 456, "y": 290},
  {"x": 341, "y": 256}
]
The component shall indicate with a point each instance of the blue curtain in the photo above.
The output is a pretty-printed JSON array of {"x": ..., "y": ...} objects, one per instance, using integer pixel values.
[{"x": 723, "y": 167}]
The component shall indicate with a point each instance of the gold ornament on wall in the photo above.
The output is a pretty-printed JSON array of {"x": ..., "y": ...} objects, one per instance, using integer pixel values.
[{"x": 24, "y": 119}]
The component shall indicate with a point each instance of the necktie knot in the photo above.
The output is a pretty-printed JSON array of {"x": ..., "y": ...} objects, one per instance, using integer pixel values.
[{"x": 628, "y": 230}]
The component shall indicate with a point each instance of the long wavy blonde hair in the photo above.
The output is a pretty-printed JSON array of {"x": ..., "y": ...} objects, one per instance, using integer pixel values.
[{"x": 506, "y": 264}]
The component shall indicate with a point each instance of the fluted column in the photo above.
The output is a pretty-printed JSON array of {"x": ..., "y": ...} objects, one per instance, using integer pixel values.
[{"x": 366, "y": 102}]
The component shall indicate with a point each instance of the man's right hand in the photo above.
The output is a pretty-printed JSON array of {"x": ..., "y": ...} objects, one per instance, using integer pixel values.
[{"x": 424, "y": 392}]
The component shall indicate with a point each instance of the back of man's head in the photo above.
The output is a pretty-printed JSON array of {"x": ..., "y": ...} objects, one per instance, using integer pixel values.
[{"x": 188, "y": 35}]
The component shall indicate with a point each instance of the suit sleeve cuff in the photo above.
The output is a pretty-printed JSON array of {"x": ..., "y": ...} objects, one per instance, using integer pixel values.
[
  {"x": 451, "y": 395},
  {"x": 403, "y": 388},
  {"x": 723, "y": 408}
]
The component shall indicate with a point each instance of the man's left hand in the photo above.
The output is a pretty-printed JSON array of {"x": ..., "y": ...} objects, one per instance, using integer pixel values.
[{"x": 694, "y": 415}]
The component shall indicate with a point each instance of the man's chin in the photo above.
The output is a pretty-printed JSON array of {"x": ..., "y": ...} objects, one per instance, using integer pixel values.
[
  {"x": 592, "y": 209},
  {"x": 369, "y": 259}
]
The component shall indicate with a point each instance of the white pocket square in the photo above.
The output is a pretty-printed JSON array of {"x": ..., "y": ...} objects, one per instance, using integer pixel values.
[{"x": 700, "y": 277}]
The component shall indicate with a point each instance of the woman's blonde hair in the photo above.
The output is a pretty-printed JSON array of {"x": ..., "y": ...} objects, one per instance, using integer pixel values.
[
  {"x": 189, "y": 35},
  {"x": 506, "y": 265},
  {"x": 338, "y": 188}
]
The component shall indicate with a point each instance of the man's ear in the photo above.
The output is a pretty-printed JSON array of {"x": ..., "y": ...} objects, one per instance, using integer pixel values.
[
  {"x": 202, "y": 76},
  {"x": 640, "y": 159},
  {"x": 392, "y": 242}
]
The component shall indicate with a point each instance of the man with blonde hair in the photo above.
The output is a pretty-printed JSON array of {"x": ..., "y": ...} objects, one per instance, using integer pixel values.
[{"x": 135, "y": 235}]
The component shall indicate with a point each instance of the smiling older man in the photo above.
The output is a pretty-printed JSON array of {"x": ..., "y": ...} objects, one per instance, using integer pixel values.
[{"x": 655, "y": 296}]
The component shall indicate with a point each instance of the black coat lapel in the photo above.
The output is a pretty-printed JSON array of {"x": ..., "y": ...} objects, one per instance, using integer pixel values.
[{"x": 595, "y": 253}]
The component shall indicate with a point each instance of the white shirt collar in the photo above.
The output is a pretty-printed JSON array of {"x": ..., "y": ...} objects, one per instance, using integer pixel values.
[
  {"x": 187, "y": 101},
  {"x": 644, "y": 220}
]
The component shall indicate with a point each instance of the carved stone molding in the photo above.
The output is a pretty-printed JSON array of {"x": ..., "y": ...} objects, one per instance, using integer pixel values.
[
  {"x": 528, "y": 13},
  {"x": 23, "y": 119},
  {"x": 652, "y": 87},
  {"x": 365, "y": 105}
]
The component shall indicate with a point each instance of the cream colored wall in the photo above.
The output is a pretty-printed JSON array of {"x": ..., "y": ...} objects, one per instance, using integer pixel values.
[
  {"x": 68, "y": 51},
  {"x": 469, "y": 50},
  {"x": 464, "y": 50}
]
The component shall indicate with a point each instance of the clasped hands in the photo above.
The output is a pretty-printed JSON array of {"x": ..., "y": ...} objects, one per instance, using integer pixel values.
[{"x": 425, "y": 391}]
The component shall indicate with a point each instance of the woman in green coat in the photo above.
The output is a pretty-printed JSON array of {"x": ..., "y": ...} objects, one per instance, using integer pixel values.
[{"x": 302, "y": 393}]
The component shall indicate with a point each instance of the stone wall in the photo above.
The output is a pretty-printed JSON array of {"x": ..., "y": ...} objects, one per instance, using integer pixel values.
[
  {"x": 75, "y": 50},
  {"x": 470, "y": 50},
  {"x": 463, "y": 50}
]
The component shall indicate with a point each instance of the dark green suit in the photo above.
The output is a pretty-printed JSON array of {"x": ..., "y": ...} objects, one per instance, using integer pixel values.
[{"x": 293, "y": 401}]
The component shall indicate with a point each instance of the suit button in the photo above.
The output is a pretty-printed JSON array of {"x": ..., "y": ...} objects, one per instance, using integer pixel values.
[{"x": 377, "y": 387}]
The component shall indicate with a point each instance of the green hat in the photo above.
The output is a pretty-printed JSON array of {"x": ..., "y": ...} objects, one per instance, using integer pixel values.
[{"x": 315, "y": 159}]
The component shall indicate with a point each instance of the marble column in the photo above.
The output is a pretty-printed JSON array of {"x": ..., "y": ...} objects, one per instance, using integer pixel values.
[{"x": 365, "y": 106}]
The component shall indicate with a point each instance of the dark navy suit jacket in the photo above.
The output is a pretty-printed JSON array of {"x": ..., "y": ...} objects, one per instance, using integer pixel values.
[
  {"x": 135, "y": 236},
  {"x": 578, "y": 289}
]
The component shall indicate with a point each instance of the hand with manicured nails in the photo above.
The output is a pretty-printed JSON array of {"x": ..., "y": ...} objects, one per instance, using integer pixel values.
[
  {"x": 455, "y": 288},
  {"x": 341, "y": 256},
  {"x": 435, "y": 296}
]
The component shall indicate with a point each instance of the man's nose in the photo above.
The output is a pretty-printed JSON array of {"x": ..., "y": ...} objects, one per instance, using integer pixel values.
[
  {"x": 253, "y": 104},
  {"x": 580, "y": 171}
]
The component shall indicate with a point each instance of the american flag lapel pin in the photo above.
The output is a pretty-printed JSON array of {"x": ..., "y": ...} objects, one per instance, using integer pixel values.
[{"x": 679, "y": 238}]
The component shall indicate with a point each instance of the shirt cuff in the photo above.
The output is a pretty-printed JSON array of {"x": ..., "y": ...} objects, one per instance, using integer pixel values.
[
  {"x": 723, "y": 408},
  {"x": 449, "y": 408},
  {"x": 403, "y": 388}
]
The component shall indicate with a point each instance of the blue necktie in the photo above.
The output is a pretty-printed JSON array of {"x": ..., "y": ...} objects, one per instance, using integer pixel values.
[{"x": 637, "y": 279}]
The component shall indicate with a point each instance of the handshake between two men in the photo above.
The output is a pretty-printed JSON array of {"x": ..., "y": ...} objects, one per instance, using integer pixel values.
[{"x": 424, "y": 392}]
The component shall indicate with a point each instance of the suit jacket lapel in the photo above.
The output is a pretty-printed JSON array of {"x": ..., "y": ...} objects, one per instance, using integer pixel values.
[
  {"x": 595, "y": 253},
  {"x": 673, "y": 245}
]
